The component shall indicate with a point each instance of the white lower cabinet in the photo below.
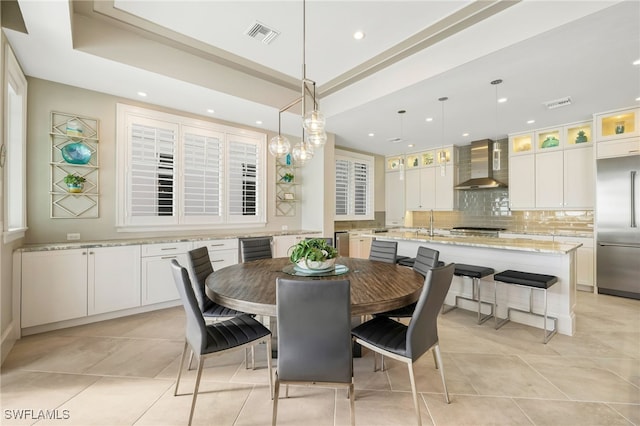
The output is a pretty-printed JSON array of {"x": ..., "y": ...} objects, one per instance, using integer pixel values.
[
  {"x": 113, "y": 279},
  {"x": 157, "y": 278},
  {"x": 282, "y": 244},
  {"x": 54, "y": 286},
  {"x": 359, "y": 246},
  {"x": 60, "y": 285},
  {"x": 584, "y": 258},
  {"x": 222, "y": 252}
]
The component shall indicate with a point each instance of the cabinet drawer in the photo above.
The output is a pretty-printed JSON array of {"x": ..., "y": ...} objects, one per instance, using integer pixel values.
[
  {"x": 165, "y": 249},
  {"x": 618, "y": 148},
  {"x": 222, "y": 258},
  {"x": 214, "y": 245}
]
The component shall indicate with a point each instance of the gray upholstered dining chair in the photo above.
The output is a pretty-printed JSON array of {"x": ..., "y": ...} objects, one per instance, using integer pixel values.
[
  {"x": 314, "y": 335},
  {"x": 255, "y": 248},
  {"x": 426, "y": 259},
  {"x": 200, "y": 268},
  {"x": 383, "y": 251},
  {"x": 214, "y": 339},
  {"x": 408, "y": 343}
]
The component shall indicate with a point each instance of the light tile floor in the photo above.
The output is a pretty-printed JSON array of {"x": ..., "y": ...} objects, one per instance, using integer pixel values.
[{"x": 122, "y": 372}]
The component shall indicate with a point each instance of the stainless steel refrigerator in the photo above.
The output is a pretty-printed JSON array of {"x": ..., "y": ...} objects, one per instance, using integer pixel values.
[{"x": 618, "y": 221}]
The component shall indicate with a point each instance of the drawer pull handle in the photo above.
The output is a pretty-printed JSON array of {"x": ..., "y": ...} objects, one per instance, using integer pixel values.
[
  {"x": 169, "y": 248},
  {"x": 217, "y": 260},
  {"x": 216, "y": 245},
  {"x": 169, "y": 257}
]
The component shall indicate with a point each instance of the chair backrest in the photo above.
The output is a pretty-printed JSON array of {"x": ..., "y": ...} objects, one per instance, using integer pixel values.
[
  {"x": 255, "y": 248},
  {"x": 383, "y": 251},
  {"x": 426, "y": 259},
  {"x": 201, "y": 268},
  {"x": 329, "y": 240},
  {"x": 422, "y": 332},
  {"x": 314, "y": 330},
  {"x": 196, "y": 330}
]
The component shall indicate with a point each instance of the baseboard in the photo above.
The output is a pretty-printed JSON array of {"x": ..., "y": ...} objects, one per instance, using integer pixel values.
[{"x": 9, "y": 338}]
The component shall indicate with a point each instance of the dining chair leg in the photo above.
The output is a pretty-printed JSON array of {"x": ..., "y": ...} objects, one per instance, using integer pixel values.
[
  {"x": 412, "y": 379},
  {"x": 435, "y": 359},
  {"x": 184, "y": 355},
  {"x": 276, "y": 391},
  {"x": 190, "y": 366},
  {"x": 352, "y": 403},
  {"x": 269, "y": 367},
  {"x": 436, "y": 351},
  {"x": 195, "y": 389}
]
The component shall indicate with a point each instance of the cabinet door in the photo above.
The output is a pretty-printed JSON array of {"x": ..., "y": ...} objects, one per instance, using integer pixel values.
[
  {"x": 394, "y": 199},
  {"x": 522, "y": 186},
  {"x": 54, "y": 286},
  {"x": 157, "y": 278},
  {"x": 549, "y": 180},
  {"x": 413, "y": 189},
  {"x": 113, "y": 278},
  {"x": 579, "y": 180},
  {"x": 444, "y": 182},
  {"x": 282, "y": 244},
  {"x": 428, "y": 187}
]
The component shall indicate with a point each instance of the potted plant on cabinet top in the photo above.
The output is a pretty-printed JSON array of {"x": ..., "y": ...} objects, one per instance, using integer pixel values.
[
  {"x": 287, "y": 177},
  {"x": 75, "y": 183},
  {"x": 314, "y": 254}
]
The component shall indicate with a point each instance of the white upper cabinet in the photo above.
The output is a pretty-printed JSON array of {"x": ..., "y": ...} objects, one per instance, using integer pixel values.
[{"x": 617, "y": 133}]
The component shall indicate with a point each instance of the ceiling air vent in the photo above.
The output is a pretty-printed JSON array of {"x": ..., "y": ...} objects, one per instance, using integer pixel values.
[
  {"x": 558, "y": 103},
  {"x": 262, "y": 32}
]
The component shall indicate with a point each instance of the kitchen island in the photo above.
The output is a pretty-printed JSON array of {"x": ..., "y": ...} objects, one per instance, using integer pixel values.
[{"x": 542, "y": 257}]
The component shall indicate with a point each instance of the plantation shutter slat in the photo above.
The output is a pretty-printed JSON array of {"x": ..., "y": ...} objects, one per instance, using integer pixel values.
[{"x": 361, "y": 193}]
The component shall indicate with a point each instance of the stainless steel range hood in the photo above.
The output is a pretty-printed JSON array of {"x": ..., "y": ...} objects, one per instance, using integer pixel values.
[{"x": 481, "y": 167}]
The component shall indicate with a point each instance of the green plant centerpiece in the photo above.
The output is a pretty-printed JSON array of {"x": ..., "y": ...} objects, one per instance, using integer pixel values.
[
  {"x": 287, "y": 177},
  {"x": 75, "y": 182},
  {"x": 314, "y": 254}
]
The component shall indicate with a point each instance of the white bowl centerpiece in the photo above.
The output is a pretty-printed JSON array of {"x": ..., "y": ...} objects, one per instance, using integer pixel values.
[{"x": 314, "y": 254}]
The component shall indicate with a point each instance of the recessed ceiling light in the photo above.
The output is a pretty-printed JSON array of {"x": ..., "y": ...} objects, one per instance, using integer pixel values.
[
  {"x": 531, "y": 121},
  {"x": 638, "y": 98},
  {"x": 258, "y": 122},
  {"x": 358, "y": 35},
  {"x": 429, "y": 119},
  {"x": 636, "y": 62},
  {"x": 372, "y": 135},
  {"x": 410, "y": 145},
  {"x": 502, "y": 100},
  {"x": 142, "y": 94},
  {"x": 465, "y": 134},
  {"x": 210, "y": 111}
]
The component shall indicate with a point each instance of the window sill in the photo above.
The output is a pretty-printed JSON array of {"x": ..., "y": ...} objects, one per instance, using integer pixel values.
[{"x": 13, "y": 235}]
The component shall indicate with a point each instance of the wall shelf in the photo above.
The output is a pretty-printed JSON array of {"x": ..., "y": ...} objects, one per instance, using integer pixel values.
[
  {"x": 287, "y": 192},
  {"x": 68, "y": 129}
]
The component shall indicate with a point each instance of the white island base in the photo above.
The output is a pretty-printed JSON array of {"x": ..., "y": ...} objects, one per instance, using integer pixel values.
[{"x": 501, "y": 254}]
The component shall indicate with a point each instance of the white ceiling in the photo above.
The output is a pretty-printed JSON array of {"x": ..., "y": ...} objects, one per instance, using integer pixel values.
[{"x": 194, "y": 55}]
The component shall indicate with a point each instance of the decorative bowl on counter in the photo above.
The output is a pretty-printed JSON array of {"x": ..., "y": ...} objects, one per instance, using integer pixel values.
[{"x": 314, "y": 254}]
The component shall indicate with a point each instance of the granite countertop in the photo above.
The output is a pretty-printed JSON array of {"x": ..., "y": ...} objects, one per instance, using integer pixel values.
[
  {"x": 580, "y": 233},
  {"x": 486, "y": 242},
  {"x": 154, "y": 240}
]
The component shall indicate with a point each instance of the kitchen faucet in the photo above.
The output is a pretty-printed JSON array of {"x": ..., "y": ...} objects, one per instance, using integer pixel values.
[{"x": 431, "y": 223}]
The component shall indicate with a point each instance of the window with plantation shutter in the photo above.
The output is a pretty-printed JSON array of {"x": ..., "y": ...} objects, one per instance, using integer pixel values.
[
  {"x": 152, "y": 188},
  {"x": 180, "y": 173},
  {"x": 202, "y": 159},
  {"x": 354, "y": 186},
  {"x": 242, "y": 174}
]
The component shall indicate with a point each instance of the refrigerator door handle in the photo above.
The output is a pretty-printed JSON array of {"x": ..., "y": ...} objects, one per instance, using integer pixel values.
[
  {"x": 619, "y": 245},
  {"x": 633, "y": 199}
]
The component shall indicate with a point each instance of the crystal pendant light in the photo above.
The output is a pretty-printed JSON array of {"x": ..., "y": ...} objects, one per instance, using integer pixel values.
[
  {"x": 317, "y": 139},
  {"x": 302, "y": 152},
  {"x": 314, "y": 121},
  {"x": 279, "y": 145}
]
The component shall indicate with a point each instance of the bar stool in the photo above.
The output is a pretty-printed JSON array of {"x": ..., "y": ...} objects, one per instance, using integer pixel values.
[
  {"x": 476, "y": 273},
  {"x": 532, "y": 282}
]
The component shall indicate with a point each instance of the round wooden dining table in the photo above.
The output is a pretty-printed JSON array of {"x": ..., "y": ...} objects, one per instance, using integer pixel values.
[{"x": 375, "y": 286}]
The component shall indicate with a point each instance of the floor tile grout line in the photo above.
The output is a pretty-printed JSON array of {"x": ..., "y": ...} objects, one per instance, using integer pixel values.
[
  {"x": 522, "y": 410},
  {"x": 168, "y": 389},
  {"x": 621, "y": 414},
  {"x": 544, "y": 377},
  {"x": 244, "y": 404}
]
